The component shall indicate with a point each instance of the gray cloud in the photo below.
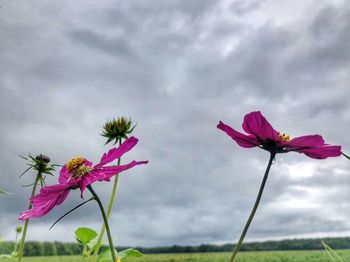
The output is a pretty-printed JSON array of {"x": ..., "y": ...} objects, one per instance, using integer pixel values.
[{"x": 177, "y": 68}]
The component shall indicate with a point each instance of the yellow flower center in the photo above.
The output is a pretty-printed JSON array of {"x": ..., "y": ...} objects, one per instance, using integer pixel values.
[
  {"x": 119, "y": 260},
  {"x": 284, "y": 137},
  {"x": 77, "y": 167}
]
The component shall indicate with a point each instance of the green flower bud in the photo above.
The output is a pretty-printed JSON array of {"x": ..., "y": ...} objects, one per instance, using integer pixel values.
[
  {"x": 19, "y": 229},
  {"x": 117, "y": 129},
  {"x": 41, "y": 163}
]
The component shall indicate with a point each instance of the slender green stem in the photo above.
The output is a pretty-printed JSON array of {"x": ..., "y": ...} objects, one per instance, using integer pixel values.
[
  {"x": 84, "y": 251},
  {"x": 111, "y": 246},
  {"x": 23, "y": 239},
  {"x": 257, "y": 201},
  {"x": 109, "y": 210},
  {"x": 16, "y": 242}
]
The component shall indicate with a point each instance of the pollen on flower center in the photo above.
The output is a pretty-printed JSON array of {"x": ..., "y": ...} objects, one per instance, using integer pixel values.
[
  {"x": 77, "y": 167},
  {"x": 284, "y": 137}
]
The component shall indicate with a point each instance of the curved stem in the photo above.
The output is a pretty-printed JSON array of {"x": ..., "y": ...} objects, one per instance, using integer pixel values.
[
  {"x": 70, "y": 211},
  {"x": 23, "y": 239},
  {"x": 257, "y": 201},
  {"x": 105, "y": 220},
  {"x": 348, "y": 157},
  {"x": 109, "y": 210}
]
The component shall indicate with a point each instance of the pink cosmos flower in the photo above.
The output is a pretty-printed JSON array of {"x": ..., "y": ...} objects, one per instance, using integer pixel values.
[
  {"x": 261, "y": 134},
  {"x": 79, "y": 173}
]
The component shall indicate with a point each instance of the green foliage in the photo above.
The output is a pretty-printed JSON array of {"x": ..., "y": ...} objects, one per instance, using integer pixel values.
[
  {"x": 281, "y": 256},
  {"x": 63, "y": 249},
  {"x": 130, "y": 252},
  {"x": 34, "y": 248},
  {"x": 50, "y": 249},
  {"x": 58, "y": 248},
  {"x": 7, "y": 247},
  {"x": 332, "y": 254},
  {"x": 105, "y": 255},
  {"x": 84, "y": 235},
  {"x": 8, "y": 257}
]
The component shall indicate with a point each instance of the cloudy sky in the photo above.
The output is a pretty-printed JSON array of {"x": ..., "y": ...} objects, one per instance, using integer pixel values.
[{"x": 177, "y": 68}]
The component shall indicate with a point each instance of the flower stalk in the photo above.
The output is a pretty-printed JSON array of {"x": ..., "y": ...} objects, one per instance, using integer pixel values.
[
  {"x": 18, "y": 231},
  {"x": 41, "y": 164},
  {"x": 26, "y": 223},
  {"x": 105, "y": 220},
  {"x": 261, "y": 134},
  {"x": 109, "y": 209},
  {"x": 251, "y": 216}
]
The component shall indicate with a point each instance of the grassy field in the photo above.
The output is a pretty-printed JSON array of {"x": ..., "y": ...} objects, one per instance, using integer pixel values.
[{"x": 290, "y": 256}]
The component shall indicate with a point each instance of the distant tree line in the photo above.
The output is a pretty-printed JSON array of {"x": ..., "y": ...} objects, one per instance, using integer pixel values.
[
  {"x": 36, "y": 248},
  {"x": 293, "y": 244}
]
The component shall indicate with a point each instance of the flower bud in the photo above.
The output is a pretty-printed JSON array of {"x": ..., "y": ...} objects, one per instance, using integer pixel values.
[
  {"x": 117, "y": 129},
  {"x": 19, "y": 229},
  {"x": 42, "y": 158}
]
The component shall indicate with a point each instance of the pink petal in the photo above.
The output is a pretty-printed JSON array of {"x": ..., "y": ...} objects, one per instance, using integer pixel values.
[
  {"x": 64, "y": 175},
  {"x": 306, "y": 141},
  {"x": 39, "y": 211},
  {"x": 241, "y": 139},
  {"x": 46, "y": 200},
  {"x": 118, "y": 152},
  {"x": 105, "y": 173},
  {"x": 256, "y": 124},
  {"x": 322, "y": 152}
]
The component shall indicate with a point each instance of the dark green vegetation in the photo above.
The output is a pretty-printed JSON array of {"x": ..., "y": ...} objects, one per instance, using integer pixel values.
[
  {"x": 34, "y": 248},
  {"x": 280, "y": 256}
]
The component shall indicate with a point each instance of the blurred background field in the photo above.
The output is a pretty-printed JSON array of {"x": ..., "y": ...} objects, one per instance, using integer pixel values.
[{"x": 279, "y": 256}]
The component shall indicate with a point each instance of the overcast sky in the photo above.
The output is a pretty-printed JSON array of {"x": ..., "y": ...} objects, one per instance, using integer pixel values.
[{"x": 176, "y": 68}]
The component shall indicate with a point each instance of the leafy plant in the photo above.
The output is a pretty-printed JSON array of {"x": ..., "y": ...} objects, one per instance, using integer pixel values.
[{"x": 84, "y": 236}]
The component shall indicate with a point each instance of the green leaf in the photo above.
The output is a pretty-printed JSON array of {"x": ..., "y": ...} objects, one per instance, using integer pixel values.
[
  {"x": 130, "y": 252},
  {"x": 105, "y": 255},
  {"x": 84, "y": 235},
  {"x": 2, "y": 192},
  {"x": 332, "y": 254}
]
